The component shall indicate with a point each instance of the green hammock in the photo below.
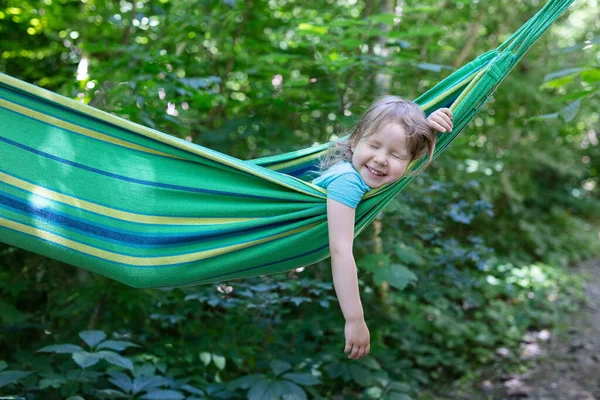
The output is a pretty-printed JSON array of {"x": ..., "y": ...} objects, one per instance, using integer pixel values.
[{"x": 150, "y": 210}]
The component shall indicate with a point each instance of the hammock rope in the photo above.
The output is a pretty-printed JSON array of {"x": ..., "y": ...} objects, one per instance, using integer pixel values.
[{"x": 151, "y": 210}]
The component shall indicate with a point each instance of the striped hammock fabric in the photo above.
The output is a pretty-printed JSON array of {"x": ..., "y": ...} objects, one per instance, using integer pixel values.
[{"x": 150, "y": 210}]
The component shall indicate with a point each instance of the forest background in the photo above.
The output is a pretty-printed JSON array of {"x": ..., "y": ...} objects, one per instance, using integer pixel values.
[{"x": 459, "y": 267}]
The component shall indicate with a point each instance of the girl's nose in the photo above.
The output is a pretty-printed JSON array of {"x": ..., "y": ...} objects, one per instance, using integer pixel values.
[{"x": 380, "y": 159}]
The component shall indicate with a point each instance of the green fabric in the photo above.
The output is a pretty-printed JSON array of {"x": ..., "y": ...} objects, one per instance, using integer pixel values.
[{"x": 150, "y": 210}]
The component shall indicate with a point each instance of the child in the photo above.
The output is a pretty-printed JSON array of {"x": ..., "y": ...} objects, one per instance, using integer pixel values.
[{"x": 392, "y": 133}]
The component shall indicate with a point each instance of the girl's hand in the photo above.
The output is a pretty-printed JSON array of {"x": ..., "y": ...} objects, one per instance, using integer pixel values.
[
  {"x": 441, "y": 120},
  {"x": 357, "y": 339}
]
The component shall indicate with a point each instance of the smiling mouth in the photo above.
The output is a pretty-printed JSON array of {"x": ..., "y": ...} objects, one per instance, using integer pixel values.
[{"x": 375, "y": 172}]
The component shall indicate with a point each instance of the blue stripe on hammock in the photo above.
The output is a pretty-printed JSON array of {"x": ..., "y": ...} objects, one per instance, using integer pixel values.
[
  {"x": 119, "y": 236},
  {"x": 133, "y": 180}
]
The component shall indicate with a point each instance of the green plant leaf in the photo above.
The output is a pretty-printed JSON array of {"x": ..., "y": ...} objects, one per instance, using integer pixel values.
[
  {"x": 259, "y": 389},
  {"x": 386, "y": 18},
  {"x": 61, "y": 349},
  {"x": 562, "y": 73},
  {"x": 118, "y": 345},
  {"x": 164, "y": 395},
  {"x": 396, "y": 396},
  {"x": 370, "y": 362},
  {"x": 110, "y": 394},
  {"x": 246, "y": 382},
  {"x": 85, "y": 359},
  {"x": 397, "y": 275},
  {"x": 302, "y": 378},
  {"x": 8, "y": 377},
  {"x": 408, "y": 255},
  {"x": 319, "y": 30},
  {"x": 3, "y": 365},
  {"x": 591, "y": 75},
  {"x": 432, "y": 67},
  {"x": 292, "y": 391},
  {"x": 219, "y": 361},
  {"x": 373, "y": 392},
  {"x": 205, "y": 358},
  {"x": 122, "y": 381},
  {"x": 115, "y": 359},
  {"x": 148, "y": 382},
  {"x": 360, "y": 374},
  {"x": 92, "y": 338},
  {"x": 570, "y": 111},
  {"x": 278, "y": 367}
]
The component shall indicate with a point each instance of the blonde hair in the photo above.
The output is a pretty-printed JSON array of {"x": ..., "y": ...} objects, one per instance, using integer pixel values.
[{"x": 421, "y": 138}]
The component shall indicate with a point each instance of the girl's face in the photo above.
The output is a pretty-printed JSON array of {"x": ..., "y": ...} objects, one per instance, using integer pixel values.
[{"x": 383, "y": 157}]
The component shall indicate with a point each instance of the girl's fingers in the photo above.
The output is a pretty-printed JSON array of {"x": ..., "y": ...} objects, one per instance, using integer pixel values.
[
  {"x": 437, "y": 126},
  {"x": 443, "y": 121},
  {"x": 363, "y": 352},
  {"x": 354, "y": 353},
  {"x": 348, "y": 347}
]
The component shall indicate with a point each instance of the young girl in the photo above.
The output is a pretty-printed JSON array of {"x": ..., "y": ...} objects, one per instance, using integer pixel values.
[{"x": 392, "y": 133}]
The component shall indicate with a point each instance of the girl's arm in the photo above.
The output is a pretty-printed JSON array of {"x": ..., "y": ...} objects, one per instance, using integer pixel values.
[{"x": 340, "y": 220}]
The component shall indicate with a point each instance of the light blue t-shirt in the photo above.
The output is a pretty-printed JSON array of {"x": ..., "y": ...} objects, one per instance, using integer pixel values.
[{"x": 343, "y": 184}]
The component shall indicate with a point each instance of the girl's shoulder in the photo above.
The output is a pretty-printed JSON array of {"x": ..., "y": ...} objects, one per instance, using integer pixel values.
[
  {"x": 345, "y": 169},
  {"x": 341, "y": 168}
]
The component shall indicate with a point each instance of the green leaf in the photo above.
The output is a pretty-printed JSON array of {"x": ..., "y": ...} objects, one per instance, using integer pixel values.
[
  {"x": 258, "y": 390},
  {"x": 8, "y": 377},
  {"x": 386, "y": 18},
  {"x": 10, "y": 314},
  {"x": 279, "y": 367},
  {"x": 591, "y": 76},
  {"x": 399, "y": 387},
  {"x": 397, "y": 396},
  {"x": 360, "y": 374},
  {"x": 122, "y": 381},
  {"x": 374, "y": 261},
  {"x": 374, "y": 392},
  {"x": 148, "y": 383},
  {"x": 319, "y": 30},
  {"x": 562, "y": 73},
  {"x": 570, "y": 111},
  {"x": 370, "y": 362},
  {"x": 116, "y": 345},
  {"x": 559, "y": 82},
  {"x": 580, "y": 94},
  {"x": 61, "y": 349},
  {"x": 432, "y": 67},
  {"x": 292, "y": 391},
  {"x": 205, "y": 358},
  {"x": 219, "y": 361},
  {"x": 116, "y": 359},
  {"x": 164, "y": 395},
  {"x": 85, "y": 359},
  {"x": 110, "y": 394},
  {"x": 92, "y": 338},
  {"x": 246, "y": 382},
  {"x": 3, "y": 365},
  {"x": 408, "y": 255},
  {"x": 305, "y": 379},
  {"x": 397, "y": 275},
  {"x": 543, "y": 117}
]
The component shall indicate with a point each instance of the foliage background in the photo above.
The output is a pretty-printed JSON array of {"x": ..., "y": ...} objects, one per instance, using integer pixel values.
[{"x": 461, "y": 265}]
